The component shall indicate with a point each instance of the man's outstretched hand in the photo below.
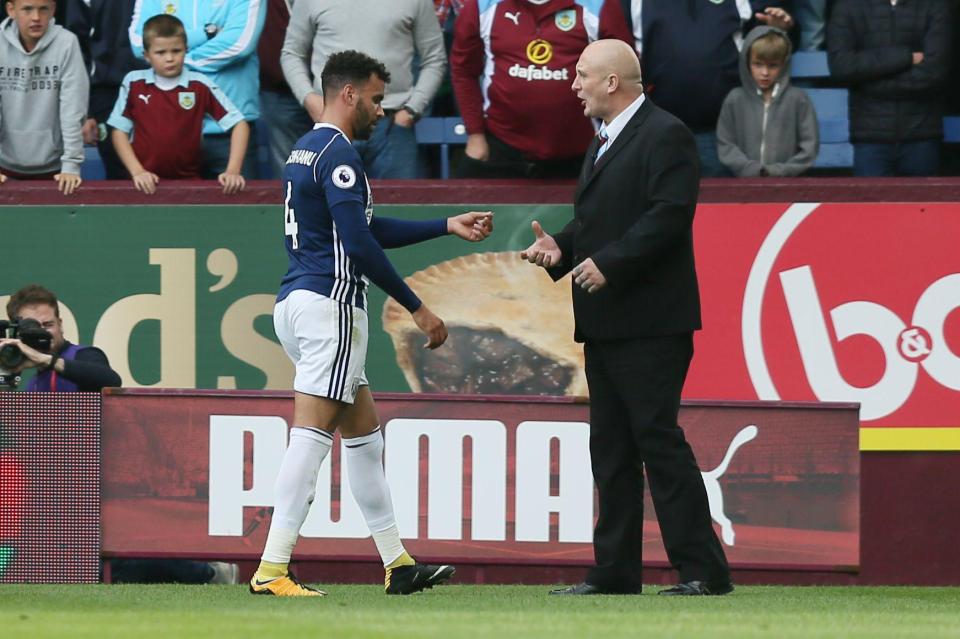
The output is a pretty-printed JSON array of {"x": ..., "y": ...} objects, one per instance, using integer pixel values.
[
  {"x": 474, "y": 226},
  {"x": 544, "y": 251}
]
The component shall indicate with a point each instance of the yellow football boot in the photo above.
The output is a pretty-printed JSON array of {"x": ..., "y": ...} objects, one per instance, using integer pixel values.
[{"x": 285, "y": 586}]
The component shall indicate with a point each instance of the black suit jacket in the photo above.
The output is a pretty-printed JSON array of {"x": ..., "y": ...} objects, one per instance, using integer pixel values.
[{"x": 633, "y": 214}]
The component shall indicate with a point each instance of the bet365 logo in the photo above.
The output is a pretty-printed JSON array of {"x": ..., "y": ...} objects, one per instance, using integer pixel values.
[{"x": 909, "y": 342}]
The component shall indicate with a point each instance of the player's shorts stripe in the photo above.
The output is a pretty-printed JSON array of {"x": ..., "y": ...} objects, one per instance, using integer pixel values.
[
  {"x": 348, "y": 340},
  {"x": 337, "y": 358},
  {"x": 342, "y": 359}
]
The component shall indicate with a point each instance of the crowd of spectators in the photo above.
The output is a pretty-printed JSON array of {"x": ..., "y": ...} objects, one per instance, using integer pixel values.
[{"x": 81, "y": 72}]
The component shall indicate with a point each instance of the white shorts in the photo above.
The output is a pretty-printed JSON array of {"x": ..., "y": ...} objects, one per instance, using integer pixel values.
[{"x": 327, "y": 342}]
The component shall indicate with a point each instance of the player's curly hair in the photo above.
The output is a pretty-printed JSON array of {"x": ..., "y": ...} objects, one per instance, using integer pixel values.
[{"x": 350, "y": 67}]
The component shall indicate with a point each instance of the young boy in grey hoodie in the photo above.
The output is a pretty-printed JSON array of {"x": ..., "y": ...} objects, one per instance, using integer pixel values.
[
  {"x": 43, "y": 96},
  {"x": 767, "y": 127}
]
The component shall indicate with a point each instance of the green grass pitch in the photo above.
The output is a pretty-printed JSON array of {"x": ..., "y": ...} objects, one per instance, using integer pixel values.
[{"x": 500, "y": 612}]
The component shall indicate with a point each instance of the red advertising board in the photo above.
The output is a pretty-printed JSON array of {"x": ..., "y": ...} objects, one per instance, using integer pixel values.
[
  {"x": 833, "y": 302},
  {"x": 474, "y": 479}
]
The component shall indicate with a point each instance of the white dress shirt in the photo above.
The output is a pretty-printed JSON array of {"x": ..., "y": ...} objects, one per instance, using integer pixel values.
[{"x": 616, "y": 125}]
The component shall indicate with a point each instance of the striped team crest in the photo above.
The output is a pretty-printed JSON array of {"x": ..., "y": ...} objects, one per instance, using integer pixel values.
[{"x": 566, "y": 19}]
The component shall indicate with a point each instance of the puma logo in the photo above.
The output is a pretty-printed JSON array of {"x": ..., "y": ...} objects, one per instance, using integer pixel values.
[
  {"x": 711, "y": 481},
  {"x": 144, "y": 97},
  {"x": 512, "y": 16}
]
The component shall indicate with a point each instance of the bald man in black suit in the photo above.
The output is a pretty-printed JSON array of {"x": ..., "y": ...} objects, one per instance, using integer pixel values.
[{"x": 636, "y": 305}]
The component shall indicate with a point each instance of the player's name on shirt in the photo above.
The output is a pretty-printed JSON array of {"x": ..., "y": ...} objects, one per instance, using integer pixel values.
[{"x": 302, "y": 156}]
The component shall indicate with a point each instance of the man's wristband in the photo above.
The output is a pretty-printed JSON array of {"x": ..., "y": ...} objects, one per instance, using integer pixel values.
[
  {"x": 413, "y": 112},
  {"x": 53, "y": 362}
]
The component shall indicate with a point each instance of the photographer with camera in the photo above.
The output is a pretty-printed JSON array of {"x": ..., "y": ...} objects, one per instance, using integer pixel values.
[{"x": 34, "y": 339}]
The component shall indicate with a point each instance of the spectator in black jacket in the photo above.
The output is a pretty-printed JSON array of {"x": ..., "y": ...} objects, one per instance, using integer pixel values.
[
  {"x": 895, "y": 57},
  {"x": 101, "y": 27},
  {"x": 950, "y": 161}
]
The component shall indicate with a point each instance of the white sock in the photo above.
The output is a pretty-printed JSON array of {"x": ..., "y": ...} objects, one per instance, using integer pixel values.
[
  {"x": 369, "y": 486},
  {"x": 294, "y": 491}
]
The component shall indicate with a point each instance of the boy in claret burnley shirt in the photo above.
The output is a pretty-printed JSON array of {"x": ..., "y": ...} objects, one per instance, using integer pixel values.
[{"x": 164, "y": 108}]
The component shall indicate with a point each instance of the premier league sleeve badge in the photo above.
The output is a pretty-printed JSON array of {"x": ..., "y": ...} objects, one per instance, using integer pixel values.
[{"x": 344, "y": 176}]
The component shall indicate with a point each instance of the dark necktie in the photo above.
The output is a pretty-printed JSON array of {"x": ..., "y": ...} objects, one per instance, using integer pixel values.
[{"x": 602, "y": 139}]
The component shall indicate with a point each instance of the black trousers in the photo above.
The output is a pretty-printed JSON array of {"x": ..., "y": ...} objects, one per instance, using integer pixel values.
[{"x": 635, "y": 390}]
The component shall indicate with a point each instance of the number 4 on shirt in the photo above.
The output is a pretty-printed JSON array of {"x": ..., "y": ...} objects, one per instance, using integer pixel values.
[{"x": 290, "y": 226}]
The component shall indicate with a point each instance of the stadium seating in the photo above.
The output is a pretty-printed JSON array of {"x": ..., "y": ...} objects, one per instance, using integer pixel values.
[
  {"x": 92, "y": 167},
  {"x": 951, "y": 129},
  {"x": 835, "y": 148},
  {"x": 809, "y": 64},
  {"x": 442, "y": 131}
]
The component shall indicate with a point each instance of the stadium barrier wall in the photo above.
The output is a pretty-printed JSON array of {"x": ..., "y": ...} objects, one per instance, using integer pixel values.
[{"x": 475, "y": 479}]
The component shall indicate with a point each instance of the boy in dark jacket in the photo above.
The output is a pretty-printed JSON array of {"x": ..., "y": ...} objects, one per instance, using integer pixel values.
[
  {"x": 895, "y": 57},
  {"x": 767, "y": 127}
]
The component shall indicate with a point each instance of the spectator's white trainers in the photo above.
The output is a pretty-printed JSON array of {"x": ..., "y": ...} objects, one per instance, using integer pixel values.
[{"x": 224, "y": 573}]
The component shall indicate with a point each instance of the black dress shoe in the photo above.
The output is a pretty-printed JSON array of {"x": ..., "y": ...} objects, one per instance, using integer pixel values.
[
  {"x": 698, "y": 588},
  {"x": 579, "y": 589},
  {"x": 589, "y": 589}
]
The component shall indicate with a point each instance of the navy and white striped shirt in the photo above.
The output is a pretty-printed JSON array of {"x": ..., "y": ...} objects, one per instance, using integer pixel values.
[{"x": 333, "y": 242}]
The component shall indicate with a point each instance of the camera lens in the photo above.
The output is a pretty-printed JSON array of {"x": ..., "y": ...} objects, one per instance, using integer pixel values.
[{"x": 10, "y": 356}]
